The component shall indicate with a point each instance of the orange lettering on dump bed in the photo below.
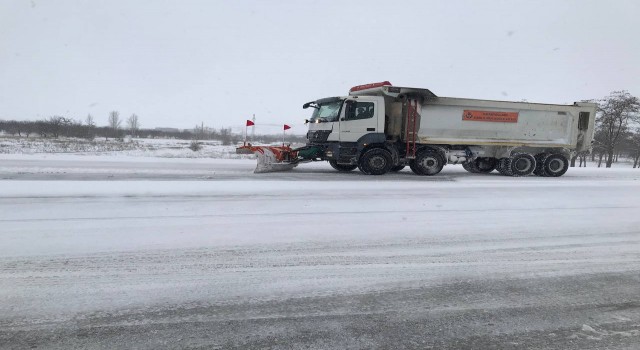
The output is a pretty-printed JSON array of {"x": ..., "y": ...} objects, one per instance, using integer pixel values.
[{"x": 490, "y": 116}]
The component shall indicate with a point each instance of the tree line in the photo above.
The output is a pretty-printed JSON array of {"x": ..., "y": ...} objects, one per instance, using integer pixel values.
[
  {"x": 617, "y": 131},
  {"x": 59, "y": 126}
]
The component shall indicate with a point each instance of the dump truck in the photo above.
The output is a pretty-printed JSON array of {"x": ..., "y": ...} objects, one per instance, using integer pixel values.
[{"x": 380, "y": 128}]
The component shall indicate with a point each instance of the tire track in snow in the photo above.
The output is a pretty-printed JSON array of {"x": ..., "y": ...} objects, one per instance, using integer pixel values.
[{"x": 342, "y": 212}]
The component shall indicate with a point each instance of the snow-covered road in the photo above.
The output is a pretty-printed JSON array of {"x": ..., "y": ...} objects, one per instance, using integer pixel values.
[{"x": 215, "y": 256}]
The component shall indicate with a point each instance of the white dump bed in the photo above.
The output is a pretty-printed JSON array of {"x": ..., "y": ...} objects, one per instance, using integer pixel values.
[
  {"x": 481, "y": 122},
  {"x": 459, "y": 121}
]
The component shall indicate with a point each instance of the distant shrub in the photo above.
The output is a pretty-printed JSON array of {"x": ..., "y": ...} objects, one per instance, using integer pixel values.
[{"x": 195, "y": 146}]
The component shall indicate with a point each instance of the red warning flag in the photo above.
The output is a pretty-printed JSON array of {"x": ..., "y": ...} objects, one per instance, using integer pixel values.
[
  {"x": 287, "y": 127},
  {"x": 250, "y": 123}
]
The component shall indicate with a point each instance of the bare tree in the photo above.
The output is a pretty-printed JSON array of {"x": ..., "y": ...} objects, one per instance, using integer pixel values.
[
  {"x": 225, "y": 136},
  {"x": 89, "y": 121},
  {"x": 199, "y": 131},
  {"x": 133, "y": 124},
  {"x": 57, "y": 125},
  {"x": 42, "y": 128},
  {"x": 28, "y": 128},
  {"x": 582, "y": 156},
  {"x": 13, "y": 127},
  {"x": 616, "y": 112},
  {"x": 91, "y": 125},
  {"x": 634, "y": 146},
  {"x": 114, "y": 122}
]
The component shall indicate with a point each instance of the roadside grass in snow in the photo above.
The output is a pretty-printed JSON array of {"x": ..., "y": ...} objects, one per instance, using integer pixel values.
[{"x": 165, "y": 148}]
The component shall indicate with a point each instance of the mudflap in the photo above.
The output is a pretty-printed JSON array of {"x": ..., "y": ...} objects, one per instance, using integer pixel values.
[{"x": 271, "y": 158}]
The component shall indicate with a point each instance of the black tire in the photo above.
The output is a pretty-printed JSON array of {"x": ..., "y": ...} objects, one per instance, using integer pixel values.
[
  {"x": 428, "y": 162},
  {"x": 414, "y": 168},
  {"x": 504, "y": 166},
  {"x": 376, "y": 161},
  {"x": 555, "y": 165},
  {"x": 469, "y": 166},
  {"x": 484, "y": 165},
  {"x": 540, "y": 158},
  {"x": 397, "y": 168},
  {"x": 342, "y": 167},
  {"x": 522, "y": 164},
  {"x": 499, "y": 166}
]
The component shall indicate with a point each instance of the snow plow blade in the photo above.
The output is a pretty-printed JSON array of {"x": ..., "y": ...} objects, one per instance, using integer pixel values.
[{"x": 271, "y": 158}]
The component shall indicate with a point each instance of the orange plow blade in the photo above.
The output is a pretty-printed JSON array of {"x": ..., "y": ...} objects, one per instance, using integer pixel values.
[{"x": 271, "y": 158}]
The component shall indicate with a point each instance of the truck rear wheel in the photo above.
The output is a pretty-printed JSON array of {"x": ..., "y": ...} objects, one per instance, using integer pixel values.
[
  {"x": 428, "y": 162},
  {"x": 522, "y": 164},
  {"x": 556, "y": 165},
  {"x": 342, "y": 167},
  {"x": 504, "y": 166},
  {"x": 376, "y": 161},
  {"x": 540, "y": 158}
]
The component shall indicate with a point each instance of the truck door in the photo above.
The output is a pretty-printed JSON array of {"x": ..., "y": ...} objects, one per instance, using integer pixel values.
[{"x": 359, "y": 117}]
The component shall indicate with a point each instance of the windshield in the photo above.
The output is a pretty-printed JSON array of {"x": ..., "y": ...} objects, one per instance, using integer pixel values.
[{"x": 328, "y": 112}]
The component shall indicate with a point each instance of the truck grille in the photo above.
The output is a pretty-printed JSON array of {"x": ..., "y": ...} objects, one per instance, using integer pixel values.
[{"x": 318, "y": 135}]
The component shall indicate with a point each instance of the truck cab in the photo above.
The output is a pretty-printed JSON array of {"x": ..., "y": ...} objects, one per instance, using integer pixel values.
[{"x": 346, "y": 119}]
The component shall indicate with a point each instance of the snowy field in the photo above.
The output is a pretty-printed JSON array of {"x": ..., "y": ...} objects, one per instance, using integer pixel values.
[
  {"x": 130, "y": 250},
  {"x": 129, "y": 147}
]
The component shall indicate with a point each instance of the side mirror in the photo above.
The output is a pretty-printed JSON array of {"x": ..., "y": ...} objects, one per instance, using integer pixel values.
[{"x": 306, "y": 121}]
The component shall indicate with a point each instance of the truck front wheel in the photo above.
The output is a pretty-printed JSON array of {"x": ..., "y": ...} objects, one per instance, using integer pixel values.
[
  {"x": 376, "y": 161},
  {"x": 342, "y": 167},
  {"x": 428, "y": 162}
]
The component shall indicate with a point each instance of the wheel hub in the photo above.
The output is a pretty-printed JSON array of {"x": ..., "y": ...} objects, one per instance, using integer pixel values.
[
  {"x": 555, "y": 165},
  {"x": 522, "y": 164},
  {"x": 377, "y": 162},
  {"x": 429, "y": 162}
]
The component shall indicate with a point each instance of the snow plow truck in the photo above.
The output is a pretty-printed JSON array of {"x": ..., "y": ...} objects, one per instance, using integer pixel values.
[{"x": 380, "y": 128}]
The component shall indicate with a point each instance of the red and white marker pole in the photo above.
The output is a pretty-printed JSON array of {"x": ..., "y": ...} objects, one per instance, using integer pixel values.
[
  {"x": 286, "y": 127},
  {"x": 249, "y": 123}
]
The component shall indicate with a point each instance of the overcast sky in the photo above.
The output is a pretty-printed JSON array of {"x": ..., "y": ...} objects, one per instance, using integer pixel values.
[{"x": 179, "y": 63}]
